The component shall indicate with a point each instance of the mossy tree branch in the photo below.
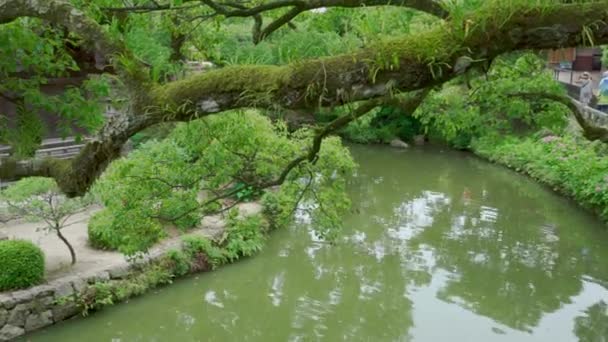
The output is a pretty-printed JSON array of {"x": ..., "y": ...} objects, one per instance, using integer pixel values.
[{"x": 403, "y": 64}]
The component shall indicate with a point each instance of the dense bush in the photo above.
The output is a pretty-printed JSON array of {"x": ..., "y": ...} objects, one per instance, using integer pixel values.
[
  {"x": 572, "y": 165},
  {"x": 471, "y": 107},
  {"x": 244, "y": 236},
  {"x": 125, "y": 231},
  {"x": 202, "y": 252},
  {"x": 383, "y": 125},
  {"x": 21, "y": 264},
  {"x": 334, "y": 32},
  {"x": 100, "y": 234},
  {"x": 156, "y": 132},
  {"x": 177, "y": 261}
]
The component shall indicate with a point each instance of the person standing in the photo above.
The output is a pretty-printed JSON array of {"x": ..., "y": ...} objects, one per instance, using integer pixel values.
[
  {"x": 602, "y": 101},
  {"x": 586, "y": 88}
]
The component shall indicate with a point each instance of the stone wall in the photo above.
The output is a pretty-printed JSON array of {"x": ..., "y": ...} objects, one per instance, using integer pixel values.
[
  {"x": 574, "y": 92},
  {"x": 28, "y": 310}
]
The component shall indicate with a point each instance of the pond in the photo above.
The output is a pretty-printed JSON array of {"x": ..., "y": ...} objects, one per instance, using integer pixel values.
[{"x": 440, "y": 246}]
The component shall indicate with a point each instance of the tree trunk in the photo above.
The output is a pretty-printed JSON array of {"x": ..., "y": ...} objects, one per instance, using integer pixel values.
[{"x": 67, "y": 243}]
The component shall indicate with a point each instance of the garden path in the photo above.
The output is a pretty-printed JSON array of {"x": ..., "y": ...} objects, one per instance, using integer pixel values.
[{"x": 90, "y": 260}]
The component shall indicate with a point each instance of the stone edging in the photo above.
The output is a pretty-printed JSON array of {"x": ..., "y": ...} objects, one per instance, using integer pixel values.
[{"x": 27, "y": 310}]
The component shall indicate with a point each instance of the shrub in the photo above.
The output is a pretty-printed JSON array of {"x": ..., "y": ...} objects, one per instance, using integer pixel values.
[
  {"x": 101, "y": 235},
  {"x": 277, "y": 210},
  {"x": 103, "y": 294},
  {"x": 244, "y": 236},
  {"x": 202, "y": 164},
  {"x": 201, "y": 251},
  {"x": 127, "y": 232},
  {"x": 178, "y": 262},
  {"x": 22, "y": 264}
]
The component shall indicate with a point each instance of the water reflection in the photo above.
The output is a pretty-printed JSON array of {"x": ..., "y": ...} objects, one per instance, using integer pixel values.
[
  {"x": 513, "y": 265},
  {"x": 441, "y": 248},
  {"x": 593, "y": 325}
]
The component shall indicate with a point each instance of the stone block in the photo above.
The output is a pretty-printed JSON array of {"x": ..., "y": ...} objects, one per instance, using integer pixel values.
[
  {"x": 156, "y": 254},
  {"x": 38, "y": 320},
  {"x": 119, "y": 272},
  {"x": 3, "y": 316},
  {"x": 397, "y": 143},
  {"x": 79, "y": 284},
  {"x": 65, "y": 310},
  {"x": 7, "y": 301},
  {"x": 419, "y": 139},
  {"x": 63, "y": 289},
  {"x": 23, "y": 296},
  {"x": 45, "y": 302},
  {"x": 42, "y": 291},
  {"x": 18, "y": 314},
  {"x": 9, "y": 332},
  {"x": 102, "y": 277}
]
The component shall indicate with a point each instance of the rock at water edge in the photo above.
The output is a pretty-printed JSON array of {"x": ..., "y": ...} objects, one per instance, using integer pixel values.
[
  {"x": 398, "y": 143},
  {"x": 9, "y": 332}
]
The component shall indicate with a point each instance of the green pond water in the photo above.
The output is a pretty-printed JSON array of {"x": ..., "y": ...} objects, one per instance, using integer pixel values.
[{"x": 440, "y": 247}]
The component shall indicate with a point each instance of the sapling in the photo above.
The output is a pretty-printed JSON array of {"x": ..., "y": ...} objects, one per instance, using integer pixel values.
[{"x": 40, "y": 199}]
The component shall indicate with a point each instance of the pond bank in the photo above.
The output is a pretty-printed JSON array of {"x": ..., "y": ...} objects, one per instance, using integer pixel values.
[
  {"x": 68, "y": 288},
  {"x": 571, "y": 166}
]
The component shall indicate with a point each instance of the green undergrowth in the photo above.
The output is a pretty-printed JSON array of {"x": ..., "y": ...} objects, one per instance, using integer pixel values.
[
  {"x": 244, "y": 237},
  {"x": 571, "y": 165}
]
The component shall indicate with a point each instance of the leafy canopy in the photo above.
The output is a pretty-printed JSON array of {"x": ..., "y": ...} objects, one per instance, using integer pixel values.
[{"x": 203, "y": 168}]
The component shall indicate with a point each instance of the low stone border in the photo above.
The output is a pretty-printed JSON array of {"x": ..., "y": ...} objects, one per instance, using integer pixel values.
[{"x": 27, "y": 310}]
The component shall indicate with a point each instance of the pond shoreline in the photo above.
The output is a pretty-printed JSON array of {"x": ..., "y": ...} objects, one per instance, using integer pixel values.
[{"x": 556, "y": 187}]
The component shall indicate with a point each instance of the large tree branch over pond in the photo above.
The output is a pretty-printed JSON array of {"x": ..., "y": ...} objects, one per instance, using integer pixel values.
[{"x": 403, "y": 64}]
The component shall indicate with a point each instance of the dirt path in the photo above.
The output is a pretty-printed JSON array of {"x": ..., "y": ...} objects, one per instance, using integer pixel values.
[{"x": 57, "y": 256}]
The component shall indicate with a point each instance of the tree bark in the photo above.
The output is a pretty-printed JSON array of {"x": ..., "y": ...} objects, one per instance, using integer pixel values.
[{"x": 68, "y": 244}]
